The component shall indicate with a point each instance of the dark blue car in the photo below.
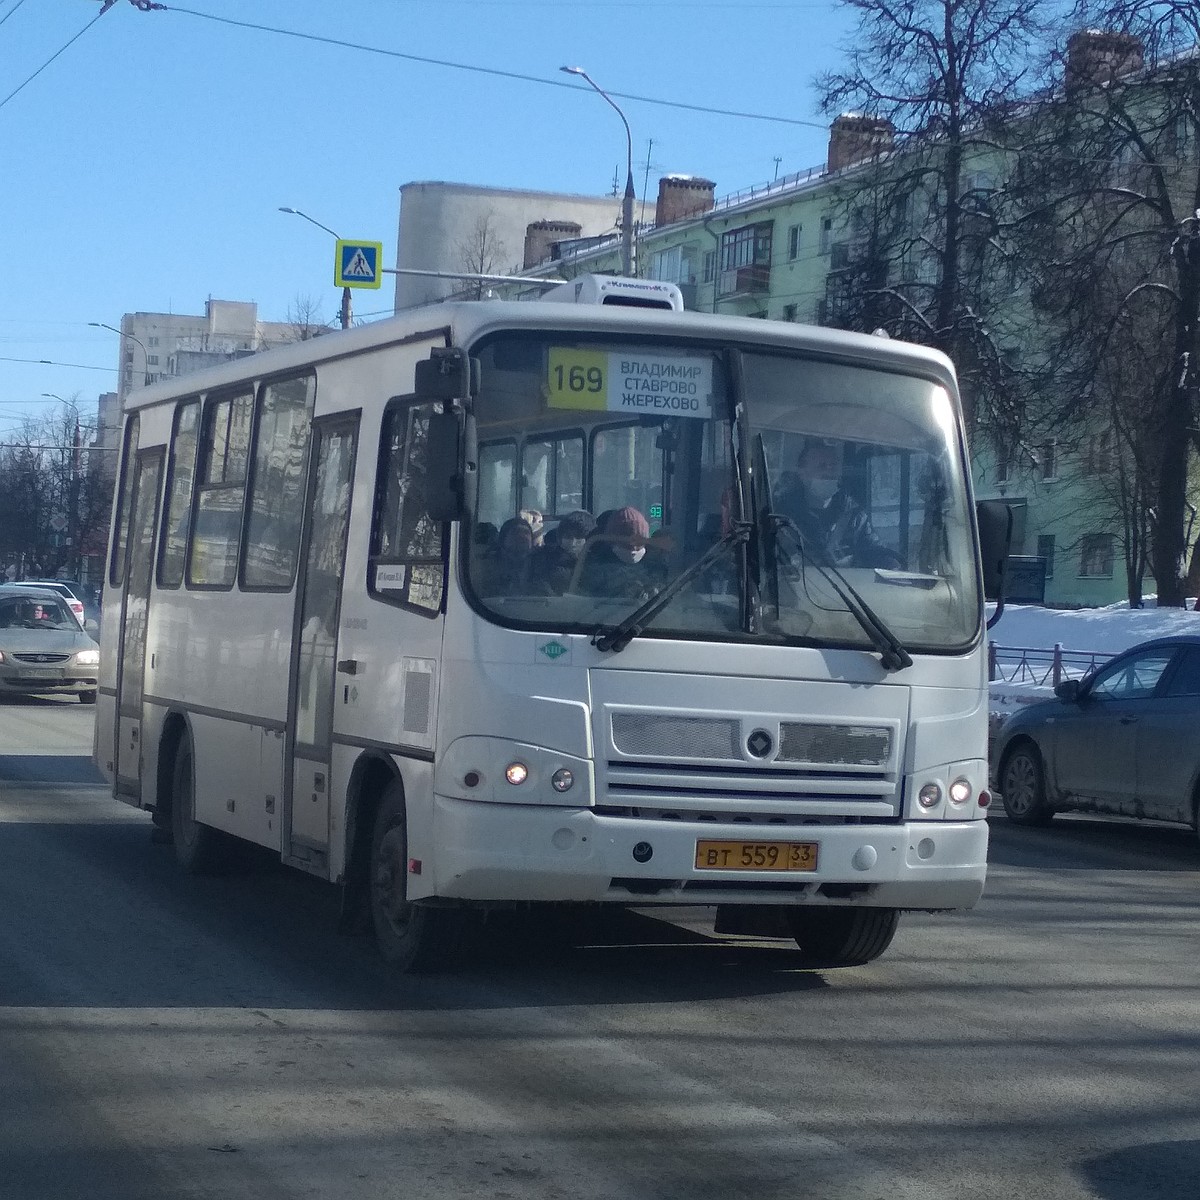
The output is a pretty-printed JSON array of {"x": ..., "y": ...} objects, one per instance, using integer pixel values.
[{"x": 1122, "y": 740}]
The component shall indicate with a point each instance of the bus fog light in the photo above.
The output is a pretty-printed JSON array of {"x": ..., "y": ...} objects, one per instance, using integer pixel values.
[
  {"x": 929, "y": 795},
  {"x": 516, "y": 773},
  {"x": 960, "y": 791},
  {"x": 562, "y": 780}
]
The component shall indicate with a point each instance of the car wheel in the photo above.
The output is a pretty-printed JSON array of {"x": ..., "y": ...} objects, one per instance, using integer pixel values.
[
  {"x": 87, "y": 697},
  {"x": 416, "y": 938},
  {"x": 200, "y": 849},
  {"x": 1023, "y": 786},
  {"x": 842, "y": 937}
]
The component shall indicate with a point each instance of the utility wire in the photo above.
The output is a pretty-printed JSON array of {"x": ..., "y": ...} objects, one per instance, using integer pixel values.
[
  {"x": 11, "y": 11},
  {"x": 493, "y": 71},
  {"x": 46, "y": 362},
  {"x": 53, "y": 56}
]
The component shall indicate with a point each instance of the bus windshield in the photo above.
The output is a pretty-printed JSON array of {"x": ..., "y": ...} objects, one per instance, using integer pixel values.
[{"x": 607, "y": 470}]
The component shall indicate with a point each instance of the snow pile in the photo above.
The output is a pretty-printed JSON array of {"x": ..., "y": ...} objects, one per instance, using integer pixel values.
[{"x": 1099, "y": 631}]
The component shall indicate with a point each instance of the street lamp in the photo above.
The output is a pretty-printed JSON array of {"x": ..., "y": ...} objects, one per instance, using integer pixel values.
[
  {"x": 312, "y": 221},
  {"x": 627, "y": 203},
  {"x": 122, "y": 333}
]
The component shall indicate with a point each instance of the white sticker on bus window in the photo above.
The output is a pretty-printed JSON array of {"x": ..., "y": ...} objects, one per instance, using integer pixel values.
[
  {"x": 391, "y": 579},
  {"x": 670, "y": 385}
]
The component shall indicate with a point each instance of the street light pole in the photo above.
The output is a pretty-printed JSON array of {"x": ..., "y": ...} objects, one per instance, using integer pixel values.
[
  {"x": 627, "y": 202},
  {"x": 345, "y": 313},
  {"x": 122, "y": 333}
]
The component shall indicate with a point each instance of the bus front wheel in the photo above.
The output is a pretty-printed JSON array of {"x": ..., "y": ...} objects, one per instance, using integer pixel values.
[
  {"x": 200, "y": 849},
  {"x": 414, "y": 937},
  {"x": 843, "y": 937}
]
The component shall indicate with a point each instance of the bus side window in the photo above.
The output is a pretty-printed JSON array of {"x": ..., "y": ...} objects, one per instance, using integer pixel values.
[
  {"x": 277, "y": 488},
  {"x": 217, "y": 528},
  {"x": 408, "y": 560},
  {"x": 178, "y": 514},
  {"x": 120, "y": 538}
]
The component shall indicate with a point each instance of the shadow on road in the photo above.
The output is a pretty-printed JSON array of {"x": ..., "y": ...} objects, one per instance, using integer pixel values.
[
  {"x": 1166, "y": 1170},
  {"x": 101, "y": 917},
  {"x": 1087, "y": 843}
]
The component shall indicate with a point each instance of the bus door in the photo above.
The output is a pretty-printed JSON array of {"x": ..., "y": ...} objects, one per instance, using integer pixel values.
[
  {"x": 135, "y": 611},
  {"x": 318, "y": 603}
]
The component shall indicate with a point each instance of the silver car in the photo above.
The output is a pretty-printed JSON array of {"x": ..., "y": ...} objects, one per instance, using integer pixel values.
[
  {"x": 1121, "y": 740},
  {"x": 42, "y": 647}
]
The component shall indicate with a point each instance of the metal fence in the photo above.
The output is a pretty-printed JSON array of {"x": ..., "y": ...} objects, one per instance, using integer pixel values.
[{"x": 1035, "y": 665}]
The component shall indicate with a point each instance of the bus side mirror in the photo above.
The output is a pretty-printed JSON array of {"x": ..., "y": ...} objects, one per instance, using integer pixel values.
[
  {"x": 449, "y": 373},
  {"x": 994, "y": 518},
  {"x": 444, "y": 500}
]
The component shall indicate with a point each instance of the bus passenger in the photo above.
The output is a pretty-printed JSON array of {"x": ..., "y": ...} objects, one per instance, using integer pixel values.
[
  {"x": 555, "y": 561},
  {"x": 505, "y": 569},
  {"x": 616, "y": 563}
]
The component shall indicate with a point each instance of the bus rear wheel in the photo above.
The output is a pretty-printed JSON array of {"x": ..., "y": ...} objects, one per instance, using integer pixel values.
[
  {"x": 200, "y": 849},
  {"x": 416, "y": 938},
  {"x": 843, "y": 937}
]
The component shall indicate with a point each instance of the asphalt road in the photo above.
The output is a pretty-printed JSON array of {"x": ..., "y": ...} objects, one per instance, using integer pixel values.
[{"x": 162, "y": 1036}]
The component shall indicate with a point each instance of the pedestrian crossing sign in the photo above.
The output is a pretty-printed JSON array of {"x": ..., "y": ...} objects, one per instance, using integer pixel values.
[{"x": 357, "y": 264}]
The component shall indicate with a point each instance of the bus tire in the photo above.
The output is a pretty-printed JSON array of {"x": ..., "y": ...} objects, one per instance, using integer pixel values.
[
  {"x": 843, "y": 937},
  {"x": 200, "y": 849},
  {"x": 416, "y": 938}
]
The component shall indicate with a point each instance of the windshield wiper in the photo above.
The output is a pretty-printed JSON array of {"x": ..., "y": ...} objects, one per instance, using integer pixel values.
[
  {"x": 617, "y": 637},
  {"x": 892, "y": 653}
]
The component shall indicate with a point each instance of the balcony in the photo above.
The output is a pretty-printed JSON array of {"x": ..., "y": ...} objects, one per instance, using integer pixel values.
[{"x": 750, "y": 280}]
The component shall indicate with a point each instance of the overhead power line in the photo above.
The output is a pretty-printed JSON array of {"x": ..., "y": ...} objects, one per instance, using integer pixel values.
[
  {"x": 495, "y": 72},
  {"x": 48, "y": 362},
  {"x": 53, "y": 56},
  {"x": 11, "y": 11}
]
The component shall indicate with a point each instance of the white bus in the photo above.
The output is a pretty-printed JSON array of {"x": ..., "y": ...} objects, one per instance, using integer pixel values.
[{"x": 342, "y": 621}]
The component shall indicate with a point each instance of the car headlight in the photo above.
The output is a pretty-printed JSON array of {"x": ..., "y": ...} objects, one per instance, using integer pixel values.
[{"x": 88, "y": 658}]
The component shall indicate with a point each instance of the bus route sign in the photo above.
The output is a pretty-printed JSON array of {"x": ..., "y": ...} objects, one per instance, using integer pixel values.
[{"x": 356, "y": 264}]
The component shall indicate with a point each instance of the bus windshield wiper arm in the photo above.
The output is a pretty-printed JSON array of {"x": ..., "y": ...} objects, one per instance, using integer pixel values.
[
  {"x": 617, "y": 637},
  {"x": 891, "y": 650}
]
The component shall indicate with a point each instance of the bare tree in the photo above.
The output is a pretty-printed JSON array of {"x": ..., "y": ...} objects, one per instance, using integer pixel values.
[
  {"x": 922, "y": 221},
  {"x": 480, "y": 252},
  {"x": 304, "y": 316},
  {"x": 1112, "y": 198}
]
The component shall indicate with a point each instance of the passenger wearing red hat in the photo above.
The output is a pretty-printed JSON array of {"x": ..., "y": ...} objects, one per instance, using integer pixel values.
[{"x": 616, "y": 563}]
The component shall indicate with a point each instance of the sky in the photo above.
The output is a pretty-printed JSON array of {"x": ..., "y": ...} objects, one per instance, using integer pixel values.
[{"x": 146, "y": 163}]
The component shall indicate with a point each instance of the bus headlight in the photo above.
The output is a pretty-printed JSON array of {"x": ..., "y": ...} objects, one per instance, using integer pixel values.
[
  {"x": 929, "y": 795},
  {"x": 960, "y": 790},
  {"x": 516, "y": 773},
  {"x": 562, "y": 780}
]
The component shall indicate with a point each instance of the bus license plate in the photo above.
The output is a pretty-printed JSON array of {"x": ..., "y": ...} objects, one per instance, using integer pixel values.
[
  {"x": 39, "y": 673},
  {"x": 756, "y": 856}
]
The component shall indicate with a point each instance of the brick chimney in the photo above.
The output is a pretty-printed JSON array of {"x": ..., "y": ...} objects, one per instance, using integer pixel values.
[
  {"x": 853, "y": 138},
  {"x": 1098, "y": 56},
  {"x": 540, "y": 236},
  {"x": 682, "y": 196}
]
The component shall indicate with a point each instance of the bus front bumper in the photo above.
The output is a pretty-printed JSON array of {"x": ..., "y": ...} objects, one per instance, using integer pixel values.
[{"x": 492, "y": 852}]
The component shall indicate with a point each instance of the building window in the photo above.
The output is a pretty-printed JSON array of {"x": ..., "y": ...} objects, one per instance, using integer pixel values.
[
  {"x": 789, "y": 312},
  {"x": 670, "y": 266},
  {"x": 746, "y": 259},
  {"x": 1096, "y": 555},
  {"x": 152, "y": 360},
  {"x": 152, "y": 341},
  {"x": 1048, "y": 460},
  {"x": 1100, "y": 455},
  {"x": 1045, "y": 549},
  {"x": 710, "y": 265},
  {"x": 793, "y": 242},
  {"x": 826, "y": 243},
  {"x": 1003, "y": 463}
]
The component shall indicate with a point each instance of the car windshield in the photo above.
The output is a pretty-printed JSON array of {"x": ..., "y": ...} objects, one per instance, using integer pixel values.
[
  {"x": 607, "y": 469},
  {"x": 35, "y": 612}
]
